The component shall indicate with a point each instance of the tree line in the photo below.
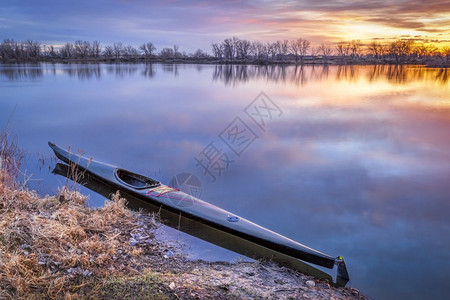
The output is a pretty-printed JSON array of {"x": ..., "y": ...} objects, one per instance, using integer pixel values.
[
  {"x": 400, "y": 49},
  {"x": 29, "y": 49},
  {"x": 233, "y": 50}
]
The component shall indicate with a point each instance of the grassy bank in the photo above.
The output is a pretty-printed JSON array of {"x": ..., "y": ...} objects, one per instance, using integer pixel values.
[{"x": 54, "y": 247}]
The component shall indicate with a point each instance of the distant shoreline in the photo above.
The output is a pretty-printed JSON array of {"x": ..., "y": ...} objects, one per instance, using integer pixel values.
[{"x": 328, "y": 61}]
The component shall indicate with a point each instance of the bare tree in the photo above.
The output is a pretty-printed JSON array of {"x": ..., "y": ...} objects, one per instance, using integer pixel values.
[
  {"x": 237, "y": 48},
  {"x": 376, "y": 49},
  {"x": 355, "y": 47},
  {"x": 118, "y": 49},
  {"x": 96, "y": 49},
  {"x": 264, "y": 51},
  {"x": 314, "y": 51},
  {"x": 77, "y": 45},
  {"x": 176, "y": 53},
  {"x": 167, "y": 53},
  {"x": 51, "y": 51},
  {"x": 235, "y": 43},
  {"x": 130, "y": 52},
  {"x": 242, "y": 48},
  {"x": 343, "y": 48},
  {"x": 32, "y": 49},
  {"x": 82, "y": 49},
  {"x": 67, "y": 51},
  {"x": 325, "y": 50},
  {"x": 299, "y": 48},
  {"x": 199, "y": 53},
  {"x": 277, "y": 46},
  {"x": 420, "y": 50},
  {"x": 294, "y": 49},
  {"x": 18, "y": 49},
  {"x": 253, "y": 49},
  {"x": 228, "y": 49},
  {"x": 433, "y": 50},
  {"x": 399, "y": 49},
  {"x": 14, "y": 49},
  {"x": 284, "y": 48},
  {"x": 272, "y": 50},
  {"x": 259, "y": 50},
  {"x": 304, "y": 46},
  {"x": 148, "y": 49},
  {"x": 246, "y": 48},
  {"x": 217, "y": 50},
  {"x": 423, "y": 50},
  {"x": 6, "y": 49},
  {"x": 109, "y": 51}
]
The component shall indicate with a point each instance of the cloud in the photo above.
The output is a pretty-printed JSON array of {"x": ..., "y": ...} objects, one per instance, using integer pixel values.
[{"x": 195, "y": 24}]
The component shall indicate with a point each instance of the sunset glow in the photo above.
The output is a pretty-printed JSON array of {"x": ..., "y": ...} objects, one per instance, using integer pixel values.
[{"x": 195, "y": 24}]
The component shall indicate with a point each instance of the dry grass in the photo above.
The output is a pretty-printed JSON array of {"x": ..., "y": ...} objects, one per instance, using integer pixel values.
[
  {"x": 50, "y": 245},
  {"x": 10, "y": 158},
  {"x": 47, "y": 246}
]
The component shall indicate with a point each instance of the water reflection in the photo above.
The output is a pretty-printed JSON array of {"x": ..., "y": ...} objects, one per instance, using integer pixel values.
[
  {"x": 234, "y": 75},
  {"x": 21, "y": 71},
  {"x": 301, "y": 75},
  {"x": 358, "y": 164},
  {"x": 170, "y": 68},
  {"x": 149, "y": 71},
  {"x": 83, "y": 71},
  {"x": 237, "y": 74}
]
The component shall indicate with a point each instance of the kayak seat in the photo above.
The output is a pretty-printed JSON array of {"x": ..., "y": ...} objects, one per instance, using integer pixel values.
[{"x": 135, "y": 180}]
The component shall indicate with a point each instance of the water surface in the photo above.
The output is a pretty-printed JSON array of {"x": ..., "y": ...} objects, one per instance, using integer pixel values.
[{"x": 352, "y": 160}]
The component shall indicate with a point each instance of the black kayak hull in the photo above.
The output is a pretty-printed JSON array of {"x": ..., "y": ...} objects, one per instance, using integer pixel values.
[{"x": 190, "y": 207}]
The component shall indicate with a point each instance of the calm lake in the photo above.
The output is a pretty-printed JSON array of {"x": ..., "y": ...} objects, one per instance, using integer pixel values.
[{"x": 351, "y": 160}]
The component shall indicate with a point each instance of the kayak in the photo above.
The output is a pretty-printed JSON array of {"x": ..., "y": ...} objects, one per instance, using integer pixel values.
[
  {"x": 198, "y": 229},
  {"x": 187, "y": 206}
]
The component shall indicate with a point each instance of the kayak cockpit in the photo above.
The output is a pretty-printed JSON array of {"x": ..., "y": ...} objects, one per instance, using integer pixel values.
[{"x": 135, "y": 180}]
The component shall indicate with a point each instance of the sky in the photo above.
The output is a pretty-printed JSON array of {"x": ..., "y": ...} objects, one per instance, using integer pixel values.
[{"x": 196, "y": 24}]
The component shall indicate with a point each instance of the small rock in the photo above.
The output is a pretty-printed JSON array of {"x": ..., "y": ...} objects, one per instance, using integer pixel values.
[
  {"x": 172, "y": 285},
  {"x": 310, "y": 283}
]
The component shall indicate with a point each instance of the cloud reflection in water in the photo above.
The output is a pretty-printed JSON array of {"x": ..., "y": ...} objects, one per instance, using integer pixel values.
[{"x": 357, "y": 165}]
